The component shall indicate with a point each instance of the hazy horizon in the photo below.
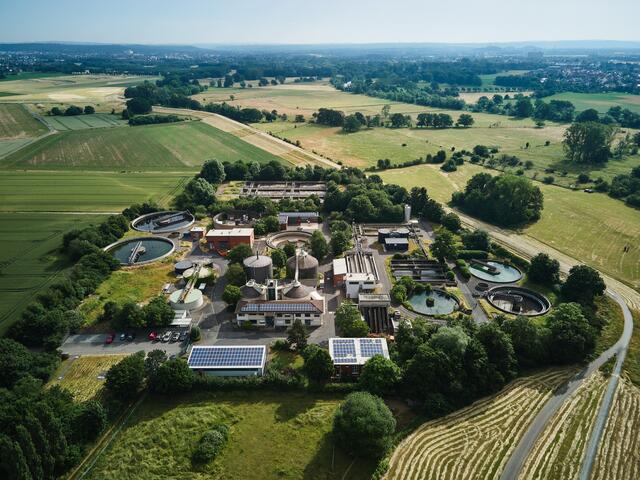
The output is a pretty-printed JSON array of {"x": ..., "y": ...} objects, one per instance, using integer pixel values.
[{"x": 331, "y": 22}]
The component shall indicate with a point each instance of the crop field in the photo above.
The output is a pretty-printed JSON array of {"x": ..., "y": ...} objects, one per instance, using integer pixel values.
[
  {"x": 81, "y": 122},
  {"x": 78, "y": 191},
  {"x": 29, "y": 260},
  {"x": 54, "y": 90},
  {"x": 475, "y": 442},
  {"x": 559, "y": 451},
  {"x": 84, "y": 376},
  {"x": 619, "y": 452},
  {"x": 16, "y": 122},
  {"x": 175, "y": 147},
  {"x": 272, "y": 435},
  {"x": 600, "y": 101},
  {"x": 592, "y": 228}
]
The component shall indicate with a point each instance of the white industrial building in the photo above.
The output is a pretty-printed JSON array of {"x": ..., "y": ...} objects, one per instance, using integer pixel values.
[{"x": 356, "y": 283}]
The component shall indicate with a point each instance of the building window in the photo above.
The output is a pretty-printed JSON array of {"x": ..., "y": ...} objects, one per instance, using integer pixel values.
[
  {"x": 287, "y": 322},
  {"x": 307, "y": 322}
]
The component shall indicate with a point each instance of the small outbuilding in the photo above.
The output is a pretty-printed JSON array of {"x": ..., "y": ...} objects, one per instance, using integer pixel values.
[
  {"x": 224, "y": 240},
  {"x": 350, "y": 354},
  {"x": 228, "y": 360}
]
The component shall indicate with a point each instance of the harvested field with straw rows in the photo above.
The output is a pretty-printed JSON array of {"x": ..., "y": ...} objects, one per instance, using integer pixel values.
[
  {"x": 476, "y": 441},
  {"x": 559, "y": 451},
  {"x": 619, "y": 452}
]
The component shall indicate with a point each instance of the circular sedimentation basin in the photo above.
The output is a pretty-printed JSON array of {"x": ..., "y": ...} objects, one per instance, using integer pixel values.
[
  {"x": 518, "y": 301},
  {"x": 141, "y": 250},
  {"x": 444, "y": 303},
  {"x": 163, "y": 222},
  {"x": 298, "y": 238},
  {"x": 494, "y": 272}
]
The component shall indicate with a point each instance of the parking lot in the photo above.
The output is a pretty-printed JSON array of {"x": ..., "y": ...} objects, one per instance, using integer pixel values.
[{"x": 95, "y": 344}]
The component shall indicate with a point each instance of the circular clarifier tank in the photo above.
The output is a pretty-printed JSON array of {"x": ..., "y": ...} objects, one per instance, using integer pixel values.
[
  {"x": 189, "y": 301},
  {"x": 163, "y": 222},
  {"x": 141, "y": 250},
  {"x": 443, "y": 303},
  {"x": 495, "y": 272},
  {"x": 518, "y": 301}
]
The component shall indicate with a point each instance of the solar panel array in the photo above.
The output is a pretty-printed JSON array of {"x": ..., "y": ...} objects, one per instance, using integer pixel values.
[
  {"x": 278, "y": 307},
  {"x": 344, "y": 350},
  {"x": 370, "y": 347},
  {"x": 203, "y": 357}
]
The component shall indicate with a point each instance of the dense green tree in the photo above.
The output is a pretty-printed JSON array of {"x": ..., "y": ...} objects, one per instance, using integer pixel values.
[
  {"x": 139, "y": 106},
  {"x": 465, "y": 120},
  {"x": 173, "y": 376},
  {"x": 278, "y": 257},
  {"x": 231, "y": 295},
  {"x": 213, "y": 172},
  {"x": 379, "y": 375},
  {"x": 363, "y": 425},
  {"x": 236, "y": 275},
  {"x": 349, "y": 321},
  {"x": 318, "y": 365},
  {"x": 90, "y": 421},
  {"x": 544, "y": 270},
  {"x": 476, "y": 240},
  {"x": 88, "y": 110},
  {"x": 528, "y": 340},
  {"x": 399, "y": 293},
  {"x": 238, "y": 253},
  {"x": 451, "y": 222},
  {"x": 588, "y": 115},
  {"x": 158, "y": 313},
  {"x": 15, "y": 362},
  {"x": 332, "y": 118},
  {"x": 444, "y": 246},
  {"x": 588, "y": 143},
  {"x": 339, "y": 242},
  {"x": 502, "y": 359},
  {"x": 583, "y": 284},
  {"x": 351, "y": 124},
  {"x": 125, "y": 379},
  {"x": 297, "y": 335},
  {"x": 319, "y": 246},
  {"x": 523, "y": 108},
  {"x": 571, "y": 337},
  {"x": 129, "y": 315},
  {"x": 152, "y": 362}
]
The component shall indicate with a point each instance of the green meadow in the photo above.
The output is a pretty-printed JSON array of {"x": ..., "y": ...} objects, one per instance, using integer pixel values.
[{"x": 600, "y": 101}]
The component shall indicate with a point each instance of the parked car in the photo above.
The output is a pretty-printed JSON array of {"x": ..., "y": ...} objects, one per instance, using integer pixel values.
[
  {"x": 110, "y": 338},
  {"x": 131, "y": 336},
  {"x": 153, "y": 336},
  {"x": 166, "y": 336},
  {"x": 175, "y": 337},
  {"x": 183, "y": 335},
  {"x": 123, "y": 337}
]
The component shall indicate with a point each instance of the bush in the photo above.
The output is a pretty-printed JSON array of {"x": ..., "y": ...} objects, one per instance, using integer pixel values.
[
  {"x": 379, "y": 375},
  {"x": 125, "y": 378},
  {"x": 363, "y": 425},
  {"x": 318, "y": 365},
  {"x": 195, "y": 334},
  {"x": 210, "y": 445},
  {"x": 469, "y": 254}
]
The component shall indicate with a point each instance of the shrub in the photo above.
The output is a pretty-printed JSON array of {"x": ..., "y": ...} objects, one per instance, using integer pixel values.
[
  {"x": 469, "y": 254},
  {"x": 379, "y": 375},
  {"x": 210, "y": 445}
]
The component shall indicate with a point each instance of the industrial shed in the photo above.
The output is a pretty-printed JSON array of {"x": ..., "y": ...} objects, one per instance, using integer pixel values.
[{"x": 228, "y": 360}]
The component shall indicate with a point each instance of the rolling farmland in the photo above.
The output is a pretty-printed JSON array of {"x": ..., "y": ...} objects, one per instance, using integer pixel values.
[
  {"x": 600, "y": 101},
  {"x": 81, "y": 122},
  {"x": 560, "y": 448},
  {"x": 475, "y": 442},
  {"x": 29, "y": 260},
  {"x": 179, "y": 147},
  {"x": 16, "y": 122}
]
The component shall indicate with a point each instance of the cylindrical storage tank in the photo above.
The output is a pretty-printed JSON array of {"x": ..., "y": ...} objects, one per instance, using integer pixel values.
[
  {"x": 407, "y": 213},
  {"x": 402, "y": 232},
  {"x": 307, "y": 266},
  {"x": 183, "y": 266},
  {"x": 382, "y": 234},
  {"x": 192, "y": 301},
  {"x": 258, "y": 268},
  {"x": 203, "y": 273}
]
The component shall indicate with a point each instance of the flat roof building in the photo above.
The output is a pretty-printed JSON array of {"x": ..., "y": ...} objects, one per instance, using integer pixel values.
[
  {"x": 224, "y": 240},
  {"x": 228, "y": 361},
  {"x": 339, "y": 271},
  {"x": 375, "y": 311},
  {"x": 349, "y": 354},
  {"x": 280, "y": 313},
  {"x": 278, "y": 190}
]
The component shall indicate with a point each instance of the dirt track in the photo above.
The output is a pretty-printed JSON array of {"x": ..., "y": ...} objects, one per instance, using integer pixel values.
[{"x": 290, "y": 153}]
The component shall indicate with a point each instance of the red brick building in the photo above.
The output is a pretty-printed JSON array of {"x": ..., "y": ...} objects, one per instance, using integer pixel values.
[{"x": 224, "y": 240}]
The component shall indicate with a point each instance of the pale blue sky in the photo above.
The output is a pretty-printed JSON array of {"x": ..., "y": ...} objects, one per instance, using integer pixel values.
[{"x": 317, "y": 21}]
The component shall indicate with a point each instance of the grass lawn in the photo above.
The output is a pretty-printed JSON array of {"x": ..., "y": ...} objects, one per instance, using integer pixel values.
[
  {"x": 16, "y": 122},
  {"x": 84, "y": 376},
  {"x": 29, "y": 260},
  {"x": 632, "y": 362},
  {"x": 137, "y": 284},
  {"x": 600, "y": 101},
  {"x": 178, "y": 147},
  {"x": 78, "y": 191},
  {"x": 273, "y": 435},
  {"x": 592, "y": 228},
  {"x": 609, "y": 309}
]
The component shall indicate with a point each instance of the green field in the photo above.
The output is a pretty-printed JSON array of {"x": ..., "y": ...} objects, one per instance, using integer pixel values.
[
  {"x": 81, "y": 122},
  {"x": 30, "y": 76},
  {"x": 489, "y": 79},
  {"x": 600, "y": 101},
  {"x": 28, "y": 258},
  {"x": 78, "y": 191},
  {"x": 273, "y": 435},
  {"x": 592, "y": 228},
  {"x": 178, "y": 146},
  {"x": 16, "y": 122}
]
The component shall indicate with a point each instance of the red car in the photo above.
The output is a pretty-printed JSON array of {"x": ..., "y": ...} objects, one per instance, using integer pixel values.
[
  {"x": 153, "y": 336},
  {"x": 110, "y": 338}
]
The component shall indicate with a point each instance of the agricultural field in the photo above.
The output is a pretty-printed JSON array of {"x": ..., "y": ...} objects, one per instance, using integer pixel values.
[
  {"x": 559, "y": 450},
  {"x": 600, "y": 101},
  {"x": 136, "y": 284},
  {"x": 272, "y": 435},
  {"x": 103, "y": 91},
  {"x": 592, "y": 228},
  {"x": 83, "y": 376},
  {"x": 16, "y": 122},
  {"x": 81, "y": 122},
  {"x": 475, "y": 442},
  {"x": 489, "y": 79},
  {"x": 617, "y": 456},
  {"x": 78, "y": 191},
  {"x": 29, "y": 260},
  {"x": 175, "y": 147}
]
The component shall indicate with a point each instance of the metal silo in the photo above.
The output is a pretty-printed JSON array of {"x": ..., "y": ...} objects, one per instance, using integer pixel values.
[{"x": 258, "y": 268}]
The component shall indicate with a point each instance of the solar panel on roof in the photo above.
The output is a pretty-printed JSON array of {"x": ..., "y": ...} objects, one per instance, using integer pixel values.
[
  {"x": 226, "y": 357},
  {"x": 278, "y": 307},
  {"x": 370, "y": 347}
]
